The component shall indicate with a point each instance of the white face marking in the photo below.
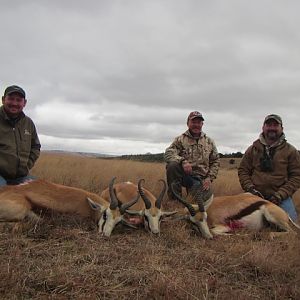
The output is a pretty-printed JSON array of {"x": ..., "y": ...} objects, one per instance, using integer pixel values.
[
  {"x": 108, "y": 222},
  {"x": 153, "y": 221}
]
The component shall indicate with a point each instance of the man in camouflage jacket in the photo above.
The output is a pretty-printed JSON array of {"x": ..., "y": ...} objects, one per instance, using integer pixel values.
[
  {"x": 19, "y": 142},
  {"x": 270, "y": 167},
  {"x": 192, "y": 156}
]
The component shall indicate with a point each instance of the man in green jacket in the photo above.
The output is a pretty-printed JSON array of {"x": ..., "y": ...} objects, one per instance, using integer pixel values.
[
  {"x": 19, "y": 142},
  {"x": 192, "y": 158},
  {"x": 270, "y": 167}
]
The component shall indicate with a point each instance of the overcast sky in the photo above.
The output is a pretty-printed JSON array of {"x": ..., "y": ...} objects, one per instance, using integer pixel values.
[{"x": 120, "y": 77}]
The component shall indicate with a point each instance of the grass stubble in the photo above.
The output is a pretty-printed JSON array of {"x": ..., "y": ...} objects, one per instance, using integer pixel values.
[{"x": 63, "y": 257}]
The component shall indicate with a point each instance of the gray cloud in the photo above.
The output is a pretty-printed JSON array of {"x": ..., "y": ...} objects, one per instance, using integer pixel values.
[{"x": 128, "y": 73}]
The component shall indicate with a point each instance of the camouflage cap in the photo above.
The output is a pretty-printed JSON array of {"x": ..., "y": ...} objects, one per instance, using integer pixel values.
[
  {"x": 273, "y": 117},
  {"x": 14, "y": 89},
  {"x": 194, "y": 115}
]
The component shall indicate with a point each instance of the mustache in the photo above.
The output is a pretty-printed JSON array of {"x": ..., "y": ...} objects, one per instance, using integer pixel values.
[{"x": 271, "y": 131}]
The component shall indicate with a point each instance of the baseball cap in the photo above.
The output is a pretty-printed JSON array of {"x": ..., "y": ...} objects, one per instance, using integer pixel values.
[
  {"x": 194, "y": 115},
  {"x": 14, "y": 89},
  {"x": 273, "y": 117}
]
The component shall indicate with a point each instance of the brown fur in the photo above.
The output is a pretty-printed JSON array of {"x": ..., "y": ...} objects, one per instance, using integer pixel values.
[
  {"x": 18, "y": 202},
  {"x": 249, "y": 210},
  {"x": 296, "y": 199}
]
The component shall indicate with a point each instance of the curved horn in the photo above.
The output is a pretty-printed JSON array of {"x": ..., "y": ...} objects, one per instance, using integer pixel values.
[
  {"x": 113, "y": 198},
  {"x": 185, "y": 203},
  {"x": 198, "y": 194},
  {"x": 146, "y": 200},
  {"x": 161, "y": 195},
  {"x": 125, "y": 206}
]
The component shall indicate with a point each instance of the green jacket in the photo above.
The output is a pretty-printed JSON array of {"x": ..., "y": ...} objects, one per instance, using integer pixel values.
[
  {"x": 19, "y": 146},
  {"x": 284, "y": 178},
  {"x": 201, "y": 152}
]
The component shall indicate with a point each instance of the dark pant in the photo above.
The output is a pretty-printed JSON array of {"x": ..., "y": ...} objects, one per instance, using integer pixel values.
[
  {"x": 176, "y": 174},
  {"x": 19, "y": 180}
]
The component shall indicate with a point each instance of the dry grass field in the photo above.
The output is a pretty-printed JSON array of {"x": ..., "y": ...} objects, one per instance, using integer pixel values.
[{"x": 63, "y": 257}]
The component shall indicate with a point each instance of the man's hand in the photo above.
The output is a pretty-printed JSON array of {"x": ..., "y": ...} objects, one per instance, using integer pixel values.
[
  {"x": 187, "y": 167},
  {"x": 255, "y": 192},
  {"x": 206, "y": 184}
]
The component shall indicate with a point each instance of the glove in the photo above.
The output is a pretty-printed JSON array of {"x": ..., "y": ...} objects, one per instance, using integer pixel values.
[
  {"x": 255, "y": 192},
  {"x": 275, "y": 198}
]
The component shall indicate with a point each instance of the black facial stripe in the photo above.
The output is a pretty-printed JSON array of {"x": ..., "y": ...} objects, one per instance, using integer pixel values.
[
  {"x": 246, "y": 211},
  {"x": 102, "y": 227},
  {"x": 104, "y": 218}
]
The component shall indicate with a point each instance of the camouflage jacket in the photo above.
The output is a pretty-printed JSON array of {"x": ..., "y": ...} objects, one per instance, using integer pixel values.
[
  {"x": 201, "y": 152},
  {"x": 19, "y": 146},
  {"x": 284, "y": 176}
]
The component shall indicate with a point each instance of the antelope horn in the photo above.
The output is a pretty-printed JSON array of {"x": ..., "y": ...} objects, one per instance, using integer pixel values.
[
  {"x": 161, "y": 195},
  {"x": 197, "y": 193},
  {"x": 185, "y": 203},
  {"x": 125, "y": 206},
  {"x": 145, "y": 199},
  {"x": 112, "y": 193},
  {"x": 128, "y": 224}
]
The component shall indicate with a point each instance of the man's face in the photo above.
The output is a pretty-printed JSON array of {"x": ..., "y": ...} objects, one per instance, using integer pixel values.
[
  {"x": 195, "y": 126},
  {"x": 13, "y": 104},
  {"x": 272, "y": 130}
]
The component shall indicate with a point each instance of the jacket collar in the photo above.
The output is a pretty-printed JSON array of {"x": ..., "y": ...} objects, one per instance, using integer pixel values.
[
  {"x": 277, "y": 143},
  {"x": 187, "y": 133}
]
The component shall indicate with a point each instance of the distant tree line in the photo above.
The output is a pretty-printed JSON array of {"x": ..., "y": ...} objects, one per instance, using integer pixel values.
[
  {"x": 231, "y": 155},
  {"x": 148, "y": 157},
  {"x": 159, "y": 157}
]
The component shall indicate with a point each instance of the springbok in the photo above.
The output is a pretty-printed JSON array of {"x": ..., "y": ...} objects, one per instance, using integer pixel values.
[
  {"x": 224, "y": 214},
  {"x": 20, "y": 202},
  {"x": 150, "y": 208}
]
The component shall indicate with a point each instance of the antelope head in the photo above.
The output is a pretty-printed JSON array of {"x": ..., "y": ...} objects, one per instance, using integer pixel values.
[
  {"x": 112, "y": 215},
  {"x": 197, "y": 216},
  {"x": 152, "y": 213}
]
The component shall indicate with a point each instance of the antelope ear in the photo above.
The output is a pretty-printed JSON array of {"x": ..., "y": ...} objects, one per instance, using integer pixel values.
[
  {"x": 135, "y": 212},
  {"x": 94, "y": 205},
  {"x": 169, "y": 213}
]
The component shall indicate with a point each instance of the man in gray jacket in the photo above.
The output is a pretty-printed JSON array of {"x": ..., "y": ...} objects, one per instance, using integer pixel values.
[
  {"x": 19, "y": 142},
  {"x": 192, "y": 157}
]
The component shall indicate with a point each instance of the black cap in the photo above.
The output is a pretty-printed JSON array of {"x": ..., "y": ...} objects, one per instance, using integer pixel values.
[{"x": 14, "y": 89}]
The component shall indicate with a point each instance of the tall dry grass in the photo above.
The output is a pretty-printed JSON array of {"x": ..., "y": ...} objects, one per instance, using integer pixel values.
[
  {"x": 94, "y": 174},
  {"x": 63, "y": 257}
]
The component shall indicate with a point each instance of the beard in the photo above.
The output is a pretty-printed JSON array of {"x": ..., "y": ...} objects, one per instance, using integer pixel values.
[{"x": 272, "y": 135}]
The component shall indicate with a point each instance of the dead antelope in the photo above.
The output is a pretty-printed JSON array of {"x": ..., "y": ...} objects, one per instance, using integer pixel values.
[
  {"x": 222, "y": 215},
  {"x": 20, "y": 202},
  {"x": 150, "y": 208}
]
